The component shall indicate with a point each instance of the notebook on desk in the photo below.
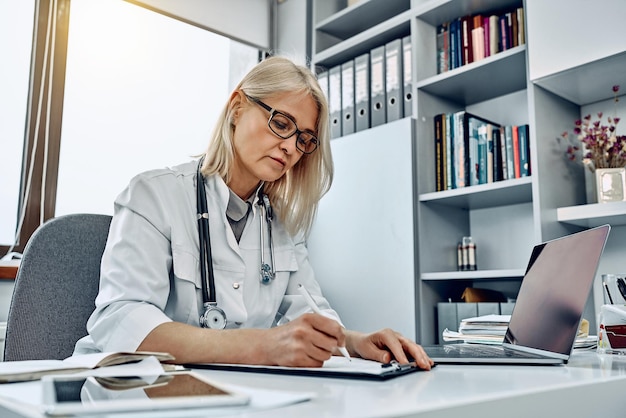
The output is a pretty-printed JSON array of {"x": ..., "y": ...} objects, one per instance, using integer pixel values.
[{"x": 549, "y": 306}]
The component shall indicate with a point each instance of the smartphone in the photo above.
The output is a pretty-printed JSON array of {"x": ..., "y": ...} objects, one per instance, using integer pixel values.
[{"x": 74, "y": 395}]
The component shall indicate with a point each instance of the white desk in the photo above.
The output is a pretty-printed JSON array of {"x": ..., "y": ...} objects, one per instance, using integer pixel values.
[{"x": 590, "y": 386}]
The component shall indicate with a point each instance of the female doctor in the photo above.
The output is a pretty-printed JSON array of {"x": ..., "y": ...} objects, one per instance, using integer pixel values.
[{"x": 204, "y": 260}]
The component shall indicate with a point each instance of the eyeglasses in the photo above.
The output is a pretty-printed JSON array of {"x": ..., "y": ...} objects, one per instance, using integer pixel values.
[{"x": 284, "y": 127}]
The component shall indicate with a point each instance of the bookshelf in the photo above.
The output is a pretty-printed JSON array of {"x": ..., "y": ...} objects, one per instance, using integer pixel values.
[{"x": 506, "y": 218}]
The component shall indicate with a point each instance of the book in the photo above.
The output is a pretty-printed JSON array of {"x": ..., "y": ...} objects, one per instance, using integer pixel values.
[
  {"x": 516, "y": 149},
  {"x": 503, "y": 157},
  {"x": 22, "y": 371},
  {"x": 504, "y": 39},
  {"x": 466, "y": 40},
  {"x": 474, "y": 152},
  {"x": 461, "y": 152},
  {"x": 336, "y": 366},
  {"x": 442, "y": 42},
  {"x": 494, "y": 35},
  {"x": 521, "y": 26},
  {"x": 490, "y": 153},
  {"x": 455, "y": 47},
  {"x": 439, "y": 154},
  {"x": 483, "y": 154},
  {"x": 450, "y": 172},
  {"x": 524, "y": 152},
  {"x": 478, "y": 38},
  {"x": 510, "y": 164}
]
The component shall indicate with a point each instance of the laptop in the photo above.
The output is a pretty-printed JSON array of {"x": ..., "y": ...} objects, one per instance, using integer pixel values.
[{"x": 548, "y": 309}]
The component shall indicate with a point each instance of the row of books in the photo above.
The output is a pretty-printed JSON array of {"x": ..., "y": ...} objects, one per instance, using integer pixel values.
[
  {"x": 474, "y": 37},
  {"x": 372, "y": 89},
  {"x": 470, "y": 150}
]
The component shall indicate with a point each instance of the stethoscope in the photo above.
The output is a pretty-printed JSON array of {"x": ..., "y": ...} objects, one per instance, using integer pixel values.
[{"x": 214, "y": 317}]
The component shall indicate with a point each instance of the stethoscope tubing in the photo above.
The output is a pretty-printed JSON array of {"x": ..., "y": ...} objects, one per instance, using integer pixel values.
[
  {"x": 206, "y": 258},
  {"x": 268, "y": 272}
]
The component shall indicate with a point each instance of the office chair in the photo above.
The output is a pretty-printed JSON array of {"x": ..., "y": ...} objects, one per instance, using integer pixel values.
[{"x": 55, "y": 288}]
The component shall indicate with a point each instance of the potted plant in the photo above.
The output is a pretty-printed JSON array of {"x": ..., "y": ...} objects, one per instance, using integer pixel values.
[{"x": 598, "y": 146}]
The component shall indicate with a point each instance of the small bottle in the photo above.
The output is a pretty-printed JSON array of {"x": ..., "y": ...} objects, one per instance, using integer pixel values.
[
  {"x": 459, "y": 257},
  {"x": 469, "y": 254}
]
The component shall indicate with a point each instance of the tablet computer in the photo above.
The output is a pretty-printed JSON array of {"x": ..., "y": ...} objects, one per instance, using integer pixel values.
[{"x": 79, "y": 395}]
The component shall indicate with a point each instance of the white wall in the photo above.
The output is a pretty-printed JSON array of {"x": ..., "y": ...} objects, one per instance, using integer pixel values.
[{"x": 566, "y": 34}]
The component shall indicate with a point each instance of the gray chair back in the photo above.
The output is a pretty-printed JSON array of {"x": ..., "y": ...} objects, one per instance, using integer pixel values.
[{"x": 55, "y": 288}]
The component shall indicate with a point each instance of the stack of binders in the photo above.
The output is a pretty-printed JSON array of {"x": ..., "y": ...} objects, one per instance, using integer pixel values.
[{"x": 370, "y": 90}]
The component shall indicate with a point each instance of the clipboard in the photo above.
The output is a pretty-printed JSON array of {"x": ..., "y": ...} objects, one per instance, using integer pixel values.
[{"x": 336, "y": 367}]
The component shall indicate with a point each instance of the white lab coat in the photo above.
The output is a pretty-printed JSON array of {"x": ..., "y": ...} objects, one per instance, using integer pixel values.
[{"x": 150, "y": 270}]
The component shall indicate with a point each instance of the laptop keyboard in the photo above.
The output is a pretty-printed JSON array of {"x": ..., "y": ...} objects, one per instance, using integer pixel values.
[{"x": 479, "y": 351}]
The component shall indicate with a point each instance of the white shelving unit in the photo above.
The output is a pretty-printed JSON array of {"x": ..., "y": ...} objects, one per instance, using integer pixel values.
[{"x": 505, "y": 218}]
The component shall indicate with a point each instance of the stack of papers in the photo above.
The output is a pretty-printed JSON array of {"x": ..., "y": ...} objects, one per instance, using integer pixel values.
[
  {"x": 486, "y": 329},
  {"x": 490, "y": 329}
]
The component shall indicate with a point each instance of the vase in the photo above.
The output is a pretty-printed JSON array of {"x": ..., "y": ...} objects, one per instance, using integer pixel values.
[{"x": 610, "y": 184}]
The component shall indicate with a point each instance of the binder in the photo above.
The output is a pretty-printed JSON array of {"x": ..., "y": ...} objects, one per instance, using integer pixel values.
[
  {"x": 488, "y": 308},
  {"x": 506, "y": 308},
  {"x": 407, "y": 76},
  {"x": 322, "y": 80},
  {"x": 466, "y": 310},
  {"x": 347, "y": 98},
  {"x": 362, "y": 91},
  {"x": 334, "y": 101},
  {"x": 393, "y": 80},
  {"x": 377, "y": 86},
  {"x": 446, "y": 318}
]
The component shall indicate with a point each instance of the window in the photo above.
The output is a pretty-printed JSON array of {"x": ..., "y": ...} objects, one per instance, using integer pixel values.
[
  {"x": 141, "y": 96},
  {"x": 16, "y": 39},
  {"x": 128, "y": 90}
]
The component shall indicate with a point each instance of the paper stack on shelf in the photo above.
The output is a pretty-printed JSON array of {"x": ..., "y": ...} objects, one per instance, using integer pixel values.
[
  {"x": 490, "y": 329},
  {"x": 486, "y": 329}
]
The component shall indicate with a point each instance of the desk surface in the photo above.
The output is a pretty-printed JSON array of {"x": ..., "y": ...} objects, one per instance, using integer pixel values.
[{"x": 589, "y": 386}]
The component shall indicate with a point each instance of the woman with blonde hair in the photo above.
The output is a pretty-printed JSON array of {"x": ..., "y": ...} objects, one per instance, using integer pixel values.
[{"x": 207, "y": 260}]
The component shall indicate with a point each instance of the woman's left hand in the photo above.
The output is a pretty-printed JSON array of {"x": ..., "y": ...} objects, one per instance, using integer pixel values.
[{"x": 387, "y": 345}]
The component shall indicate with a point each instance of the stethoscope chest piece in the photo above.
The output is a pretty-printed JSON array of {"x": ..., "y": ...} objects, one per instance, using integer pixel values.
[
  {"x": 213, "y": 317},
  {"x": 267, "y": 274}
]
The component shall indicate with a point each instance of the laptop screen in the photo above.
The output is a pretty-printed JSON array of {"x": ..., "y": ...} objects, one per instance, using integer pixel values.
[{"x": 554, "y": 291}]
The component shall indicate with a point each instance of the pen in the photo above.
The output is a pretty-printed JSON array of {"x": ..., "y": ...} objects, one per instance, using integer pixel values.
[{"x": 309, "y": 300}]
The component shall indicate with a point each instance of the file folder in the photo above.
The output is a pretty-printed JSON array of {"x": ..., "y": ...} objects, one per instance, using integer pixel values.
[
  {"x": 322, "y": 80},
  {"x": 347, "y": 98},
  {"x": 407, "y": 76},
  {"x": 393, "y": 82},
  {"x": 362, "y": 91},
  {"x": 377, "y": 86},
  {"x": 334, "y": 101},
  {"x": 446, "y": 318}
]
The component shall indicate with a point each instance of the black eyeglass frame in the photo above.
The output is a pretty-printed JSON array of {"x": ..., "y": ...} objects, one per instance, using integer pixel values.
[{"x": 297, "y": 131}]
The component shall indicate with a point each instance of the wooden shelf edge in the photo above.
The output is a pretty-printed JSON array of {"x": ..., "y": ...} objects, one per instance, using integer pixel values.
[{"x": 8, "y": 272}]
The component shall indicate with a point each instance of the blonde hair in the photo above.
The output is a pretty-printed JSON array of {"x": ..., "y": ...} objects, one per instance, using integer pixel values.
[{"x": 296, "y": 195}]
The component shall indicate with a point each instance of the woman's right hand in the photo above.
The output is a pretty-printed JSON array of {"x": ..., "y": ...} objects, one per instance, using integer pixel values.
[{"x": 307, "y": 341}]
